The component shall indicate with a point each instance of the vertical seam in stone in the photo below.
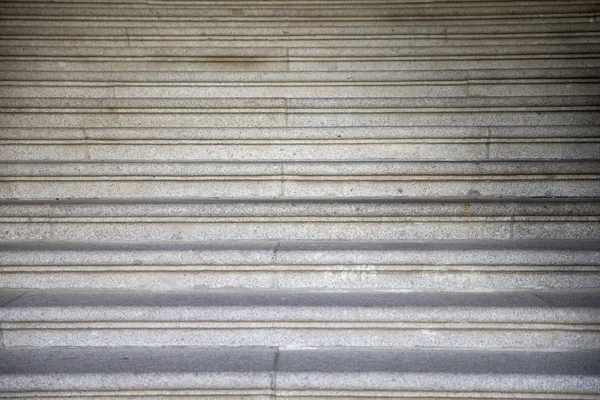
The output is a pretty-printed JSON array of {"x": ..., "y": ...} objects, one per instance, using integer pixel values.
[
  {"x": 273, "y": 262},
  {"x": 285, "y": 112},
  {"x": 511, "y": 223},
  {"x": 274, "y": 372},
  {"x": 86, "y": 145},
  {"x": 128, "y": 39},
  {"x": 282, "y": 181},
  {"x": 487, "y": 143}
]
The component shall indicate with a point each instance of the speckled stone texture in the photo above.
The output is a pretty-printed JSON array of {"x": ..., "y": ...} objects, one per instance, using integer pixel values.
[
  {"x": 328, "y": 372},
  {"x": 526, "y": 320},
  {"x": 345, "y": 199}
]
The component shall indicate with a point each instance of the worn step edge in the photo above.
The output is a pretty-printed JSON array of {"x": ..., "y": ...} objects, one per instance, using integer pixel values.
[
  {"x": 302, "y": 170},
  {"x": 453, "y": 21},
  {"x": 290, "y": 13},
  {"x": 171, "y": 265},
  {"x": 284, "y": 52},
  {"x": 521, "y": 64},
  {"x": 458, "y": 320},
  {"x": 332, "y": 373},
  {"x": 280, "y": 118},
  {"x": 535, "y": 178},
  {"x": 461, "y": 207},
  {"x": 330, "y": 265},
  {"x": 416, "y": 89},
  {"x": 186, "y": 42},
  {"x": 297, "y": 219},
  {"x": 281, "y": 135},
  {"x": 220, "y": 308},
  {"x": 296, "y": 77},
  {"x": 465, "y": 30},
  {"x": 298, "y": 149},
  {"x": 385, "y": 12},
  {"x": 419, "y": 255},
  {"x": 353, "y": 104}
]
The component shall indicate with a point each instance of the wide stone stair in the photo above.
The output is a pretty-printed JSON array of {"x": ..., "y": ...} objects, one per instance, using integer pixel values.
[{"x": 301, "y": 199}]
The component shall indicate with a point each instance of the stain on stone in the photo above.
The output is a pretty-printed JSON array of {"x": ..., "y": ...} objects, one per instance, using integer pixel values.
[{"x": 467, "y": 208}]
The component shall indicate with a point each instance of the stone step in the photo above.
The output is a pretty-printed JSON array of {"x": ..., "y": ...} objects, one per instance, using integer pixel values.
[
  {"x": 522, "y": 65},
  {"x": 336, "y": 373},
  {"x": 269, "y": 112},
  {"x": 508, "y": 320},
  {"x": 423, "y": 134},
  {"x": 298, "y": 78},
  {"x": 305, "y": 90},
  {"x": 299, "y": 219},
  {"x": 348, "y": 52},
  {"x": 464, "y": 265},
  {"x": 294, "y": 148},
  {"x": 521, "y": 23},
  {"x": 435, "y": 30},
  {"x": 323, "y": 179},
  {"x": 279, "y": 117},
  {"x": 320, "y": 11},
  {"x": 291, "y": 42}
]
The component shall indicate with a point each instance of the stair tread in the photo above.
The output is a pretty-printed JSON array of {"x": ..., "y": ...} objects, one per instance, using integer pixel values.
[
  {"x": 582, "y": 245},
  {"x": 539, "y": 306},
  {"x": 467, "y": 265},
  {"x": 281, "y": 370}
]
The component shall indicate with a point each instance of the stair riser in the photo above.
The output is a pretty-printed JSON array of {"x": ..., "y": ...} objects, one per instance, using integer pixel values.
[
  {"x": 586, "y": 149},
  {"x": 291, "y": 42},
  {"x": 367, "y": 277},
  {"x": 301, "y": 66},
  {"x": 314, "y": 12},
  {"x": 107, "y": 230},
  {"x": 428, "y": 337},
  {"x": 575, "y": 186},
  {"x": 329, "y": 373},
  {"x": 272, "y": 265},
  {"x": 296, "y": 116},
  {"x": 464, "y": 22},
  {"x": 495, "y": 136},
  {"x": 547, "y": 27}
]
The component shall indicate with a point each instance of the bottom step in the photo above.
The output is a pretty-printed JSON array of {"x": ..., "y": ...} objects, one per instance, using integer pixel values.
[{"x": 260, "y": 373}]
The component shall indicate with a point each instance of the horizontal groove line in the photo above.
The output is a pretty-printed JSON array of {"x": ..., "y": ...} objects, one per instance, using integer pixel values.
[
  {"x": 307, "y": 3},
  {"x": 290, "y": 267},
  {"x": 307, "y": 218},
  {"x": 296, "y": 110},
  {"x": 298, "y": 59},
  {"x": 306, "y": 37},
  {"x": 293, "y": 325},
  {"x": 243, "y": 142},
  {"x": 552, "y": 176},
  {"x": 343, "y": 84},
  {"x": 256, "y": 20},
  {"x": 295, "y": 268},
  {"x": 294, "y": 5}
]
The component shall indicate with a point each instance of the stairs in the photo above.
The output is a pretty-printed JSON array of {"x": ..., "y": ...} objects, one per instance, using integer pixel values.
[{"x": 300, "y": 199}]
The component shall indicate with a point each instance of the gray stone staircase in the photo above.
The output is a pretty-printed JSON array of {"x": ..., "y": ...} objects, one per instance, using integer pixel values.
[{"x": 300, "y": 199}]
